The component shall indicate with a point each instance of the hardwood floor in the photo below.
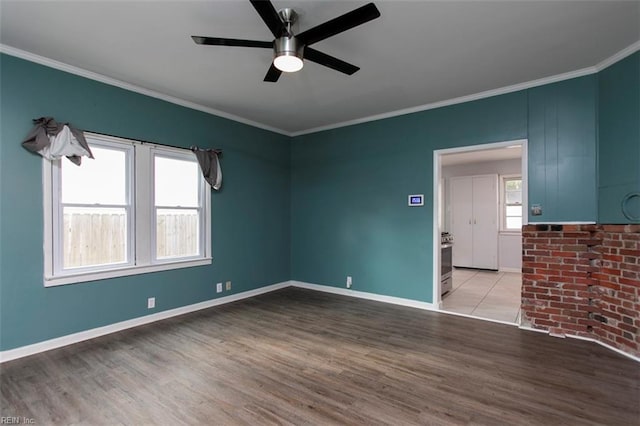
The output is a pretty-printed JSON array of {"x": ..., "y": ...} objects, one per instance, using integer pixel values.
[{"x": 301, "y": 357}]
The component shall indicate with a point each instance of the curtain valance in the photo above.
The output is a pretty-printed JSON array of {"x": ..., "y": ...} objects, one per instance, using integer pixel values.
[
  {"x": 55, "y": 140},
  {"x": 210, "y": 165}
]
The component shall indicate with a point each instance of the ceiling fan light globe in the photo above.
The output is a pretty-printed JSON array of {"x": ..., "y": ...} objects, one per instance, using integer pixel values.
[{"x": 288, "y": 62}]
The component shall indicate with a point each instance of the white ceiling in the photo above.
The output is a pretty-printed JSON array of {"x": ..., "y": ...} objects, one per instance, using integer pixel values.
[
  {"x": 482, "y": 155},
  {"x": 417, "y": 53}
]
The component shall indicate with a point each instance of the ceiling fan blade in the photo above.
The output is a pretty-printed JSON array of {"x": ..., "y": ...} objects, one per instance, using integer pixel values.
[
  {"x": 270, "y": 17},
  {"x": 217, "y": 41},
  {"x": 337, "y": 25},
  {"x": 273, "y": 74},
  {"x": 329, "y": 61}
]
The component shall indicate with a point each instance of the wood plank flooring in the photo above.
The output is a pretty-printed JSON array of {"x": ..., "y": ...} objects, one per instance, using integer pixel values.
[{"x": 302, "y": 357}]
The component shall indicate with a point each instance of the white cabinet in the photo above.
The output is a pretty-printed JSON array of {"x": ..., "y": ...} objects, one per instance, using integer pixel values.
[{"x": 474, "y": 221}]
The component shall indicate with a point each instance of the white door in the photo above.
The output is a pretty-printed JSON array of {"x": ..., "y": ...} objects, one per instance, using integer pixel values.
[
  {"x": 485, "y": 222},
  {"x": 461, "y": 190}
]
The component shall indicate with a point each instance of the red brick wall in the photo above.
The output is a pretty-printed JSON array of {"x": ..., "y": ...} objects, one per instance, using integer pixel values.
[{"x": 583, "y": 280}]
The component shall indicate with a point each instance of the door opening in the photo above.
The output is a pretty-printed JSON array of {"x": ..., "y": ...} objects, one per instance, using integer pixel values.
[{"x": 488, "y": 256}]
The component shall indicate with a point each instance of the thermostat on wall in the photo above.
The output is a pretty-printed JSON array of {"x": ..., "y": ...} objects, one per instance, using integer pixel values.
[{"x": 416, "y": 200}]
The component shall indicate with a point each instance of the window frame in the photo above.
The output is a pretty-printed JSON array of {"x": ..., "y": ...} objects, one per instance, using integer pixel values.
[
  {"x": 141, "y": 221},
  {"x": 503, "y": 203},
  {"x": 163, "y": 152},
  {"x": 58, "y": 213}
]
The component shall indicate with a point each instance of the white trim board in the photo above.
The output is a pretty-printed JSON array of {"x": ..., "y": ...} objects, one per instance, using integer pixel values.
[
  {"x": 586, "y": 339},
  {"x": 81, "y": 336},
  {"x": 51, "y": 63},
  {"x": 70, "y": 339},
  {"x": 627, "y": 51},
  {"x": 459, "y": 314},
  {"x": 431, "y": 307},
  {"x": 365, "y": 295},
  {"x": 561, "y": 223},
  {"x": 618, "y": 56}
]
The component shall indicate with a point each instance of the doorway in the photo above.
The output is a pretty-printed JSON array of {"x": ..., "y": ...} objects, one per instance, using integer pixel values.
[{"x": 486, "y": 265}]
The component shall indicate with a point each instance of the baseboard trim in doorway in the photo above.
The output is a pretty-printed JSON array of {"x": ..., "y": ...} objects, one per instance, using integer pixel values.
[
  {"x": 365, "y": 295},
  {"x": 81, "y": 336},
  {"x": 459, "y": 314},
  {"x": 514, "y": 270},
  {"x": 586, "y": 339}
]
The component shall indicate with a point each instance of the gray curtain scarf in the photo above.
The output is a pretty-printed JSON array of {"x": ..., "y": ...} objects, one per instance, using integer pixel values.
[
  {"x": 210, "y": 165},
  {"x": 39, "y": 139},
  {"x": 43, "y": 137}
]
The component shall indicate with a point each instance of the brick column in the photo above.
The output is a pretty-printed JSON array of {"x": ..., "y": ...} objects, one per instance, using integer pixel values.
[
  {"x": 619, "y": 281},
  {"x": 583, "y": 280}
]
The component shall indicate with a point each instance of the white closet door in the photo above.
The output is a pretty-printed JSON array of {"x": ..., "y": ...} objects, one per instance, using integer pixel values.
[
  {"x": 485, "y": 222},
  {"x": 461, "y": 221}
]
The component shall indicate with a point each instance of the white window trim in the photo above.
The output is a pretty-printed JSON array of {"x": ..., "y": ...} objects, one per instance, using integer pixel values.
[
  {"x": 202, "y": 191},
  {"x": 503, "y": 211},
  {"x": 141, "y": 263}
]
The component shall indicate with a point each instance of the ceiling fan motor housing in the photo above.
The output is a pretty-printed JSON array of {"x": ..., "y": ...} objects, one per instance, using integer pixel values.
[{"x": 288, "y": 46}]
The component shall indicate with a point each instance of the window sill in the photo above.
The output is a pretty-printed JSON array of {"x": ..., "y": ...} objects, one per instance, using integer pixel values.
[
  {"x": 122, "y": 272},
  {"x": 510, "y": 232}
]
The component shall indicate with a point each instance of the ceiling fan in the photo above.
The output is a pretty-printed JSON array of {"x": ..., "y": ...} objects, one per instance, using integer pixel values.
[{"x": 289, "y": 48}]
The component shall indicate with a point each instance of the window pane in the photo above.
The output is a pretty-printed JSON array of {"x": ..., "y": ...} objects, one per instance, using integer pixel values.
[
  {"x": 513, "y": 197},
  {"x": 94, "y": 236},
  {"x": 514, "y": 222},
  {"x": 177, "y": 233},
  {"x": 101, "y": 180},
  {"x": 514, "y": 211},
  {"x": 513, "y": 185},
  {"x": 176, "y": 182}
]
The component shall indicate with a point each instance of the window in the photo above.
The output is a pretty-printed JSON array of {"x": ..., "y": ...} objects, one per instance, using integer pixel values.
[
  {"x": 135, "y": 208},
  {"x": 177, "y": 206},
  {"x": 511, "y": 203}
]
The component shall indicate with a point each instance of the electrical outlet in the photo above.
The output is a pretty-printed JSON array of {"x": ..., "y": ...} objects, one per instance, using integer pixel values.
[
  {"x": 349, "y": 282},
  {"x": 228, "y": 285},
  {"x": 151, "y": 303},
  {"x": 219, "y": 288}
]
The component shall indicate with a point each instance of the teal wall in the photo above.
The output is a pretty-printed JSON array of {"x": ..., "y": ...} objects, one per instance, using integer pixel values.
[
  {"x": 562, "y": 150},
  {"x": 619, "y": 140},
  {"x": 314, "y": 208},
  {"x": 250, "y": 215},
  {"x": 349, "y": 194},
  {"x": 350, "y": 185}
]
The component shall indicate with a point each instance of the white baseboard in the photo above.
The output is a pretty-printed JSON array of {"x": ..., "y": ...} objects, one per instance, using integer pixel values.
[
  {"x": 587, "y": 339},
  {"x": 391, "y": 299},
  {"x": 364, "y": 295},
  {"x": 459, "y": 314},
  {"x": 70, "y": 339},
  {"x": 516, "y": 270}
]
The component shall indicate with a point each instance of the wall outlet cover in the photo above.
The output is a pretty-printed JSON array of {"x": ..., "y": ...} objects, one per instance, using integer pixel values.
[
  {"x": 228, "y": 285},
  {"x": 219, "y": 288},
  {"x": 151, "y": 303}
]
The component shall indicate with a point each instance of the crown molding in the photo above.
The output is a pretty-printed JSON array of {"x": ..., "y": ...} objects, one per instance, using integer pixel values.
[
  {"x": 454, "y": 101},
  {"x": 32, "y": 57},
  {"x": 629, "y": 50}
]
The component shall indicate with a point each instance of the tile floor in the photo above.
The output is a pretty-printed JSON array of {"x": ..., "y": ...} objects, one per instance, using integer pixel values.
[{"x": 485, "y": 294}]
